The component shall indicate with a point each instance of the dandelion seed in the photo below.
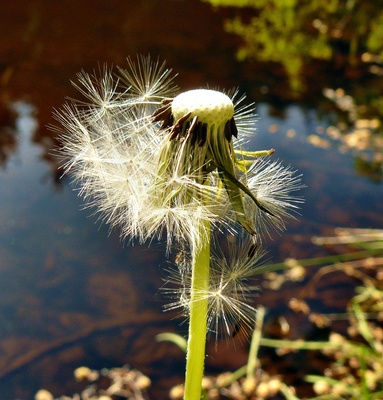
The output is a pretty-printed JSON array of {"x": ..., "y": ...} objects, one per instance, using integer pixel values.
[
  {"x": 236, "y": 329},
  {"x": 229, "y": 294},
  {"x": 274, "y": 186},
  {"x": 252, "y": 250}
]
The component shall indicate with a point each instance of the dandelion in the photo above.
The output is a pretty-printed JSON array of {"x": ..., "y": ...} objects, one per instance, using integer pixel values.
[
  {"x": 148, "y": 180},
  {"x": 157, "y": 163}
]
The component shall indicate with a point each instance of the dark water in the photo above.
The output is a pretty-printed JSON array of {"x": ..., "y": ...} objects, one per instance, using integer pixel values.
[{"x": 71, "y": 293}]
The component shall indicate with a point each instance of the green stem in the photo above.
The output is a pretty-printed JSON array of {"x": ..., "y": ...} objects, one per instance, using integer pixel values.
[
  {"x": 308, "y": 262},
  {"x": 195, "y": 357},
  {"x": 254, "y": 347}
]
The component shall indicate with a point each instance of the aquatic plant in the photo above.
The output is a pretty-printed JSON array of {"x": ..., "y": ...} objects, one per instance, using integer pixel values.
[
  {"x": 158, "y": 163},
  {"x": 350, "y": 357}
]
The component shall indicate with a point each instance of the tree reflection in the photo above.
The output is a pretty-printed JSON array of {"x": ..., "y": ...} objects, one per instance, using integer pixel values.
[
  {"x": 338, "y": 35},
  {"x": 293, "y": 32},
  {"x": 8, "y": 134}
]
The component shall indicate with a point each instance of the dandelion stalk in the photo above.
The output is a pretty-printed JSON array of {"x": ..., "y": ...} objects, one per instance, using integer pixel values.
[{"x": 195, "y": 356}]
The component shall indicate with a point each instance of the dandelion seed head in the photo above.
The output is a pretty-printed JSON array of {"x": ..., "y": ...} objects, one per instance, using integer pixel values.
[
  {"x": 158, "y": 164},
  {"x": 201, "y": 126},
  {"x": 210, "y": 106}
]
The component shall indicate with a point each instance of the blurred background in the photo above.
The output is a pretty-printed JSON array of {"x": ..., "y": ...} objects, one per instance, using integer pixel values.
[{"x": 71, "y": 293}]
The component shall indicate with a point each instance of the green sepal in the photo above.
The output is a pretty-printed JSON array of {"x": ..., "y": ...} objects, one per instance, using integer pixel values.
[
  {"x": 236, "y": 201},
  {"x": 241, "y": 186}
]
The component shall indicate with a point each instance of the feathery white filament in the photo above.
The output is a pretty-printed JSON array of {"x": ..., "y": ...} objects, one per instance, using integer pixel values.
[
  {"x": 149, "y": 184},
  {"x": 230, "y": 294}
]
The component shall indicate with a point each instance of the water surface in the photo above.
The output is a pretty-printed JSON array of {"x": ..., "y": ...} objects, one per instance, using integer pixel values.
[{"x": 71, "y": 292}]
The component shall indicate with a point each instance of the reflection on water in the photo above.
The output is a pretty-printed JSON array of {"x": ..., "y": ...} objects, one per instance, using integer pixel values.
[
  {"x": 71, "y": 293},
  {"x": 343, "y": 38},
  {"x": 360, "y": 136},
  {"x": 293, "y": 34},
  {"x": 62, "y": 281}
]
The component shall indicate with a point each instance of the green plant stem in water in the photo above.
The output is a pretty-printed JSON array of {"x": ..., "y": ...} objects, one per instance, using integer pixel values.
[
  {"x": 308, "y": 262},
  {"x": 250, "y": 368},
  {"x": 195, "y": 357},
  {"x": 254, "y": 347}
]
